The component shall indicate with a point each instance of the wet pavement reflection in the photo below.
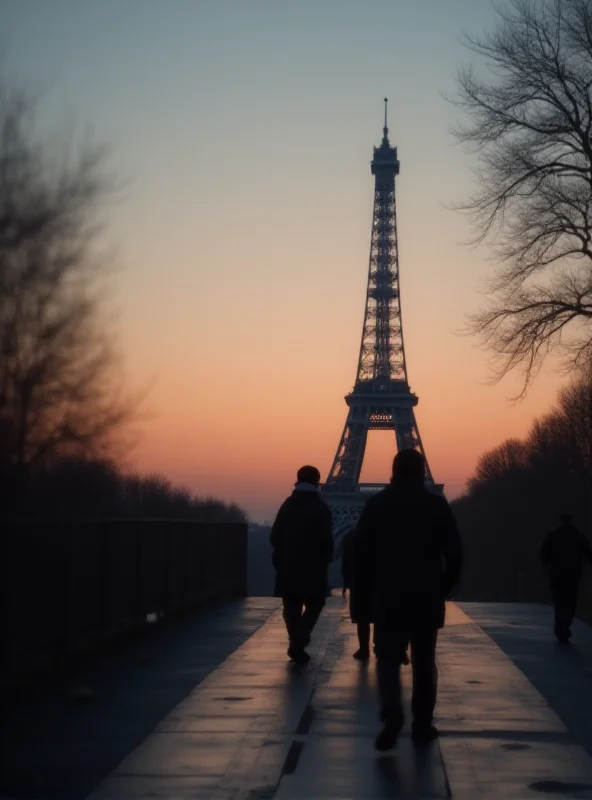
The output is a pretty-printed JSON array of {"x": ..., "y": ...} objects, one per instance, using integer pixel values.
[{"x": 257, "y": 727}]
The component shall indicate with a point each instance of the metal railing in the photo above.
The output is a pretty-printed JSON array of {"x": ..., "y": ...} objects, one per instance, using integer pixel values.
[{"x": 69, "y": 587}]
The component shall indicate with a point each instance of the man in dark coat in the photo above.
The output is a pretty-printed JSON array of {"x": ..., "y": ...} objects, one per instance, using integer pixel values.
[
  {"x": 302, "y": 542},
  {"x": 408, "y": 558},
  {"x": 563, "y": 552}
]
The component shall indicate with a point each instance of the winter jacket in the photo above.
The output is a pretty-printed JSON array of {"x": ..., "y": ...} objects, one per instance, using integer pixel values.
[
  {"x": 408, "y": 557},
  {"x": 358, "y": 610},
  {"x": 302, "y": 542}
]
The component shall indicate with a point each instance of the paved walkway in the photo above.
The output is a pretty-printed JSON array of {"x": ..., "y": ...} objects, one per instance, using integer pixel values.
[
  {"x": 562, "y": 675},
  {"x": 259, "y": 728},
  {"x": 514, "y": 712}
]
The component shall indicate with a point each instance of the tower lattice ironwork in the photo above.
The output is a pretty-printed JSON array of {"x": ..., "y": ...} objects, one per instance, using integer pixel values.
[{"x": 381, "y": 398}]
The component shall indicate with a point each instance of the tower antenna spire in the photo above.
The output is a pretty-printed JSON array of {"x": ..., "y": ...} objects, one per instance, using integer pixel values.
[{"x": 385, "y": 129}]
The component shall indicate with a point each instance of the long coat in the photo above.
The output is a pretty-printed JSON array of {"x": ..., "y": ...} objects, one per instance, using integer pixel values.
[
  {"x": 408, "y": 557},
  {"x": 357, "y": 610},
  {"x": 302, "y": 542}
]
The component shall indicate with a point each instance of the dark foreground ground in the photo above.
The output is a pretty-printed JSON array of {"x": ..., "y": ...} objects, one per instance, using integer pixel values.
[{"x": 209, "y": 708}]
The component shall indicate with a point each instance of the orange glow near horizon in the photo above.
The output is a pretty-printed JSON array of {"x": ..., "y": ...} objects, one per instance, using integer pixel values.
[
  {"x": 243, "y": 443},
  {"x": 243, "y": 133}
]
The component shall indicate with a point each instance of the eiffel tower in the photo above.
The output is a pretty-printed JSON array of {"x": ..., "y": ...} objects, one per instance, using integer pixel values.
[{"x": 381, "y": 398}]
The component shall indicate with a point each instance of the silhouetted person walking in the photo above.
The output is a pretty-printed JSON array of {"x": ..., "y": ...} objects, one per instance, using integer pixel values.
[
  {"x": 359, "y": 614},
  {"x": 302, "y": 543},
  {"x": 359, "y": 610},
  {"x": 563, "y": 553},
  {"x": 408, "y": 557}
]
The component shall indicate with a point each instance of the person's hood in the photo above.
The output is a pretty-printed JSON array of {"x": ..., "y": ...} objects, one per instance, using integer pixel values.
[{"x": 305, "y": 487}]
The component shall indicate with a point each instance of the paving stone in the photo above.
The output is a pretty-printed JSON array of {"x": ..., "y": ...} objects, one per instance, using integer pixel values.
[
  {"x": 258, "y": 687},
  {"x": 562, "y": 675},
  {"x": 501, "y": 739},
  {"x": 348, "y": 767}
]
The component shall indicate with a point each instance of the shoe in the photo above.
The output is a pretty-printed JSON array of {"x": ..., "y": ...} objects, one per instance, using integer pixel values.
[
  {"x": 362, "y": 655},
  {"x": 298, "y": 656},
  {"x": 562, "y": 634},
  {"x": 422, "y": 734},
  {"x": 387, "y": 738}
]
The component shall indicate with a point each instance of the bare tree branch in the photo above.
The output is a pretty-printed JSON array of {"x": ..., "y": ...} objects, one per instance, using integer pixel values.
[
  {"x": 529, "y": 120},
  {"x": 60, "y": 383}
]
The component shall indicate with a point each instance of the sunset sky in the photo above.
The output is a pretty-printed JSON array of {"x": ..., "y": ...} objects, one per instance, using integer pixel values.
[{"x": 243, "y": 133}]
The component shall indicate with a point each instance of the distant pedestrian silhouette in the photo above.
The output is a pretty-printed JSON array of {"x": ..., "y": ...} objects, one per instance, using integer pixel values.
[
  {"x": 563, "y": 553},
  {"x": 408, "y": 558},
  {"x": 302, "y": 543},
  {"x": 359, "y": 614},
  {"x": 359, "y": 610}
]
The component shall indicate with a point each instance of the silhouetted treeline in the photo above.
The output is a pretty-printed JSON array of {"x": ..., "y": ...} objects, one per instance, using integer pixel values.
[
  {"x": 87, "y": 489},
  {"x": 517, "y": 494},
  {"x": 63, "y": 404},
  {"x": 62, "y": 391}
]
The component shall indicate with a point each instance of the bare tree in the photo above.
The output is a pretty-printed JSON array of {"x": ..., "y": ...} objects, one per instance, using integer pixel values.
[
  {"x": 575, "y": 412},
  {"x": 59, "y": 381},
  {"x": 505, "y": 460},
  {"x": 517, "y": 494},
  {"x": 529, "y": 118}
]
